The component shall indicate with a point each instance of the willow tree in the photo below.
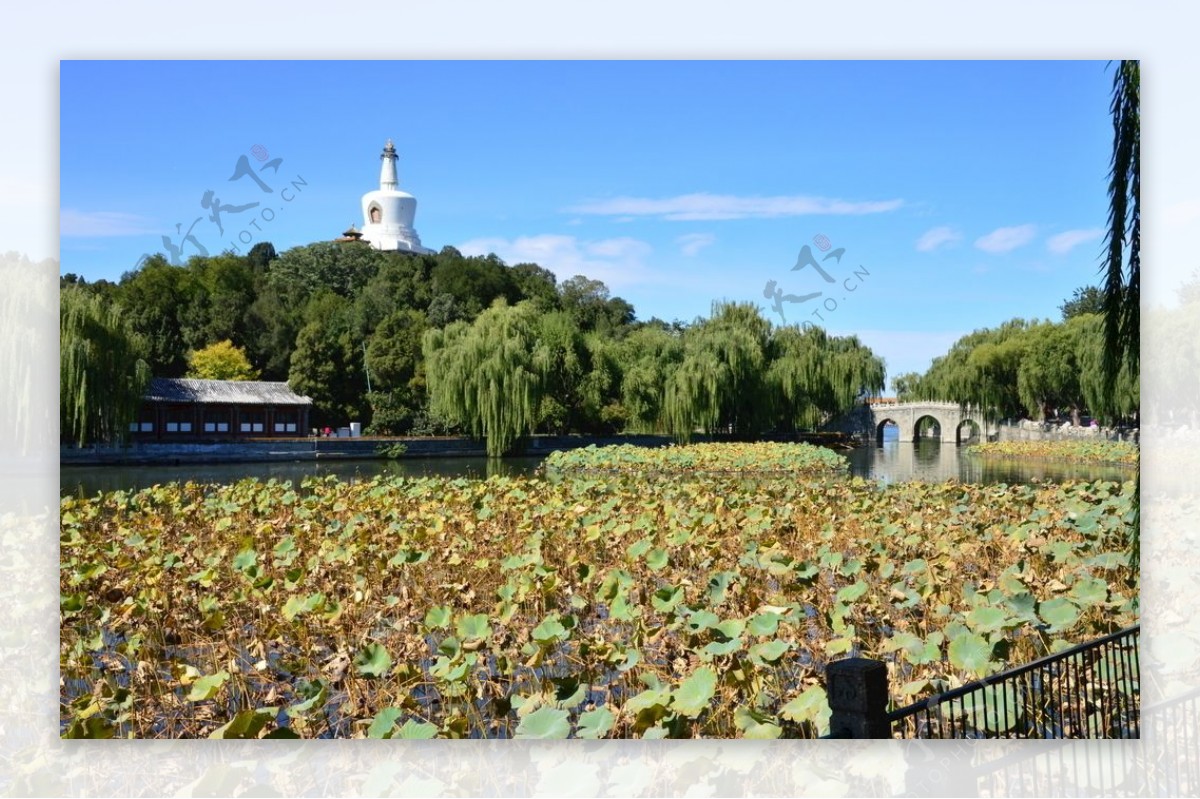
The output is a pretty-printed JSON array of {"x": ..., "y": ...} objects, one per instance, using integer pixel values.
[
  {"x": 650, "y": 356},
  {"x": 814, "y": 376},
  {"x": 1122, "y": 273},
  {"x": 721, "y": 382},
  {"x": 981, "y": 370},
  {"x": 487, "y": 376},
  {"x": 1110, "y": 401},
  {"x": 102, "y": 371}
]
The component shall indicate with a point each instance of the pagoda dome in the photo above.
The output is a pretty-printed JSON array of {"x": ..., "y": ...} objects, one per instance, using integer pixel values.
[{"x": 388, "y": 212}]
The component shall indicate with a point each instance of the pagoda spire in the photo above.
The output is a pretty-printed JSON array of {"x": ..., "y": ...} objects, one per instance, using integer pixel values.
[{"x": 387, "y": 175}]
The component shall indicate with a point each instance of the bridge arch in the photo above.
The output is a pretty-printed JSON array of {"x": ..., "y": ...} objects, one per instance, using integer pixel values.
[
  {"x": 968, "y": 430},
  {"x": 928, "y": 427},
  {"x": 881, "y": 424}
]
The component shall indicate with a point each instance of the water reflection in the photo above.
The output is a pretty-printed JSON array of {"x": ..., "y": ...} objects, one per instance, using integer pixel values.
[
  {"x": 933, "y": 461},
  {"x": 890, "y": 462}
]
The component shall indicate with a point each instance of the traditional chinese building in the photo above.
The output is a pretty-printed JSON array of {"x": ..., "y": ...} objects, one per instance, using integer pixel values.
[
  {"x": 183, "y": 409},
  {"x": 388, "y": 212},
  {"x": 351, "y": 234}
]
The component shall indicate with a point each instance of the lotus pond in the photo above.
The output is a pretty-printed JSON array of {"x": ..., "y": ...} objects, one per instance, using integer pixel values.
[
  {"x": 565, "y": 605},
  {"x": 1095, "y": 452}
]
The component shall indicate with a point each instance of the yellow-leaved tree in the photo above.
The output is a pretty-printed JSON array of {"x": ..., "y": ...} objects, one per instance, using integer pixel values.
[{"x": 221, "y": 361}]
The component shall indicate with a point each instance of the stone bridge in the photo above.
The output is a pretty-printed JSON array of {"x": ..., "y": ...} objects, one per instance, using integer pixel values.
[{"x": 925, "y": 421}]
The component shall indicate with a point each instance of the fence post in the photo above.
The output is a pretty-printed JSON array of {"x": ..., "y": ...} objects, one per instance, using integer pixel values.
[{"x": 858, "y": 697}]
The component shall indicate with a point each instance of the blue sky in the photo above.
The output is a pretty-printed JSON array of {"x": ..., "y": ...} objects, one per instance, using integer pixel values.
[{"x": 962, "y": 193}]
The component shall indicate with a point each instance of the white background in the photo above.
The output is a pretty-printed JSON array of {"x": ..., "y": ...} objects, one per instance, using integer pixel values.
[{"x": 34, "y": 761}]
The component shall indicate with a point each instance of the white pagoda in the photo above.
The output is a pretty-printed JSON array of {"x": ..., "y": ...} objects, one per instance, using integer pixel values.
[{"x": 388, "y": 212}]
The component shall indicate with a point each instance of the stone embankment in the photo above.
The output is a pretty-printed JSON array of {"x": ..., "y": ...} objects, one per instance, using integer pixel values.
[{"x": 1026, "y": 430}]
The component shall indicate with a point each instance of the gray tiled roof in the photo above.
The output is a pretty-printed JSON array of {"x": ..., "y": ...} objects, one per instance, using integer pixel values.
[{"x": 239, "y": 392}]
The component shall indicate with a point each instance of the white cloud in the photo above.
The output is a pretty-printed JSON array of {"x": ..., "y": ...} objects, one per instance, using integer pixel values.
[
  {"x": 692, "y": 243},
  {"x": 1068, "y": 240},
  {"x": 938, "y": 236},
  {"x": 102, "y": 223},
  {"x": 618, "y": 261},
  {"x": 691, "y": 207},
  {"x": 1006, "y": 239}
]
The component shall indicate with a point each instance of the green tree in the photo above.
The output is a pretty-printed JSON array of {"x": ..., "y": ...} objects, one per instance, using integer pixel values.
[
  {"x": 339, "y": 267},
  {"x": 327, "y": 362},
  {"x": 589, "y": 302},
  {"x": 906, "y": 386},
  {"x": 155, "y": 298},
  {"x": 815, "y": 376},
  {"x": 1086, "y": 299},
  {"x": 486, "y": 375},
  {"x": 1048, "y": 375},
  {"x": 721, "y": 381},
  {"x": 220, "y": 361},
  {"x": 396, "y": 366},
  {"x": 102, "y": 374},
  {"x": 649, "y": 357}
]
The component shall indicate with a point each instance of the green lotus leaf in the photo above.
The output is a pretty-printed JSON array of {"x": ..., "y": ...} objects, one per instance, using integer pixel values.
[
  {"x": 413, "y": 730},
  {"x": 650, "y": 698},
  {"x": 207, "y": 687},
  {"x": 657, "y": 559},
  {"x": 247, "y": 724},
  {"x": 639, "y": 548},
  {"x": 693, "y": 694},
  {"x": 987, "y": 619},
  {"x": 764, "y": 623},
  {"x": 701, "y": 620},
  {"x": 1059, "y": 613},
  {"x": 852, "y": 592},
  {"x": 473, "y": 627},
  {"x": 1023, "y": 603},
  {"x": 438, "y": 617},
  {"x": 1089, "y": 591},
  {"x": 971, "y": 653},
  {"x": 596, "y": 723},
  {"x": 719, "y": 648},
  {"x": 544, "y": 723},
  {"x": 550, "y": 630},
  {"x": 384, "y": 722},
  {"x": 312, "y": 694},
  {"x": 665, "y": 600},
  {"x": 770, "y": 651},
  {"x": 810, "y": 705},
  {"x": 839, "y": 646},
  {"x": 373, "y": 660},
  {"x": 245, "y": 559},
  {"x": 755, "y": 725},
  {"x": 731, "y": 628},
  {"x": 988, "y": 708}
]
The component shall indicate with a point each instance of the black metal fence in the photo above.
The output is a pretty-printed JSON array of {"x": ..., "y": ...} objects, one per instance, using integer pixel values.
[{"x": 1088, "y": 691}]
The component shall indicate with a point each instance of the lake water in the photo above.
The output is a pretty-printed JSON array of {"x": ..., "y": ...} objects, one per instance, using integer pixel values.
[{"x": 891, "y": 462}]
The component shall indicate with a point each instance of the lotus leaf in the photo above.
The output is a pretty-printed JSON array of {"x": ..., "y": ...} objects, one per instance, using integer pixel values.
[
  {"x": 596, "y": 723},
  {"x": 970, "y": 652},
  {"x": 207, "y": 687},
  {"x": 1059, "y": 613},
  {"x": 693, "y": 695}
]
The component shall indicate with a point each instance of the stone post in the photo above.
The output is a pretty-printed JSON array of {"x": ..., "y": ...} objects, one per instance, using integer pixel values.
[{"x": 858, "y": 697}]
